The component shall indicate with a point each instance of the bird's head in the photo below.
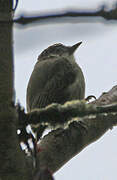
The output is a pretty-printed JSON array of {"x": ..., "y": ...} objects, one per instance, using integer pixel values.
[{"x": 58, "y": 50}]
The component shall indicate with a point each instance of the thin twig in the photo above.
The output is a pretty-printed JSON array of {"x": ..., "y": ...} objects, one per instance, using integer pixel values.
[{"x": 100, "y": 12}]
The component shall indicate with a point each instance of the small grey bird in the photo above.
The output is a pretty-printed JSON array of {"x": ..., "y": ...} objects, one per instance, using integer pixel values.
[{"x": 56, "y": 78}]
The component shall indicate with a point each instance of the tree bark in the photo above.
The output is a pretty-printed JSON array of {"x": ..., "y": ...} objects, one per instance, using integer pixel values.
[
  {"x": 60, "y": 145},
  {"x": 12, "y": 161}
]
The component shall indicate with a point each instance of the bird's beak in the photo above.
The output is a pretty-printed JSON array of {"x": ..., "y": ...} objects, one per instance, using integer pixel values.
[{"x": 74, "y": 47}]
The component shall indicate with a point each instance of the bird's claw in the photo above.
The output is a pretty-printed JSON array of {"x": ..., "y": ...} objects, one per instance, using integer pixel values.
[{"x": 90, "y": 97}]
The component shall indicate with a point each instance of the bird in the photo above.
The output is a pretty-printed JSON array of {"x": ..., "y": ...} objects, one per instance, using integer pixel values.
[{"x": 56, "y": 78}]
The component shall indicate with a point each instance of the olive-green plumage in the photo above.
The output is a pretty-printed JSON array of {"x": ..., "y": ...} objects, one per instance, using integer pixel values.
[{"x": 56, "y": 78}]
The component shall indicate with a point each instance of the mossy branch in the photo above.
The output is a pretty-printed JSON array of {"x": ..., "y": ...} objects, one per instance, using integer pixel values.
[
  {"x": 58, "y": 115},
  {"x": 87, "y": 123}
]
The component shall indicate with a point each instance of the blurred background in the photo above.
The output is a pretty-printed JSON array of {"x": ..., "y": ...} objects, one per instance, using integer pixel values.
[{"x": 97, "y": 57}]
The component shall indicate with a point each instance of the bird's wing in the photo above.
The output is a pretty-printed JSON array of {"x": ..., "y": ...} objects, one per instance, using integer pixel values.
[{"x": 60, "y": 74}]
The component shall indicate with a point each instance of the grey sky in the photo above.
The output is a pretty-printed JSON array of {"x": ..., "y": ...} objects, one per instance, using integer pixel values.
[
  {"x": 98, "y": 58},
  {"x": 42, "y": 5}
]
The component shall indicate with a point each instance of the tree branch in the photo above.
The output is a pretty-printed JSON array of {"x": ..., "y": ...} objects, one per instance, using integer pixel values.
[
  {"x": 60, "y": 145},
  {"x": 67, "y": 15},
  {"x": 59, "y": 115}
]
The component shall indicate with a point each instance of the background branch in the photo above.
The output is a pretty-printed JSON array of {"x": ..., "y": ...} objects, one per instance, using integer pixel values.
[{"x": 67, "y": 15}]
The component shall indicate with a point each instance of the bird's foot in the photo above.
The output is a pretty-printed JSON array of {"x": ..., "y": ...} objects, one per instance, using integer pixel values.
[{"x": 88, "y": 98}]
